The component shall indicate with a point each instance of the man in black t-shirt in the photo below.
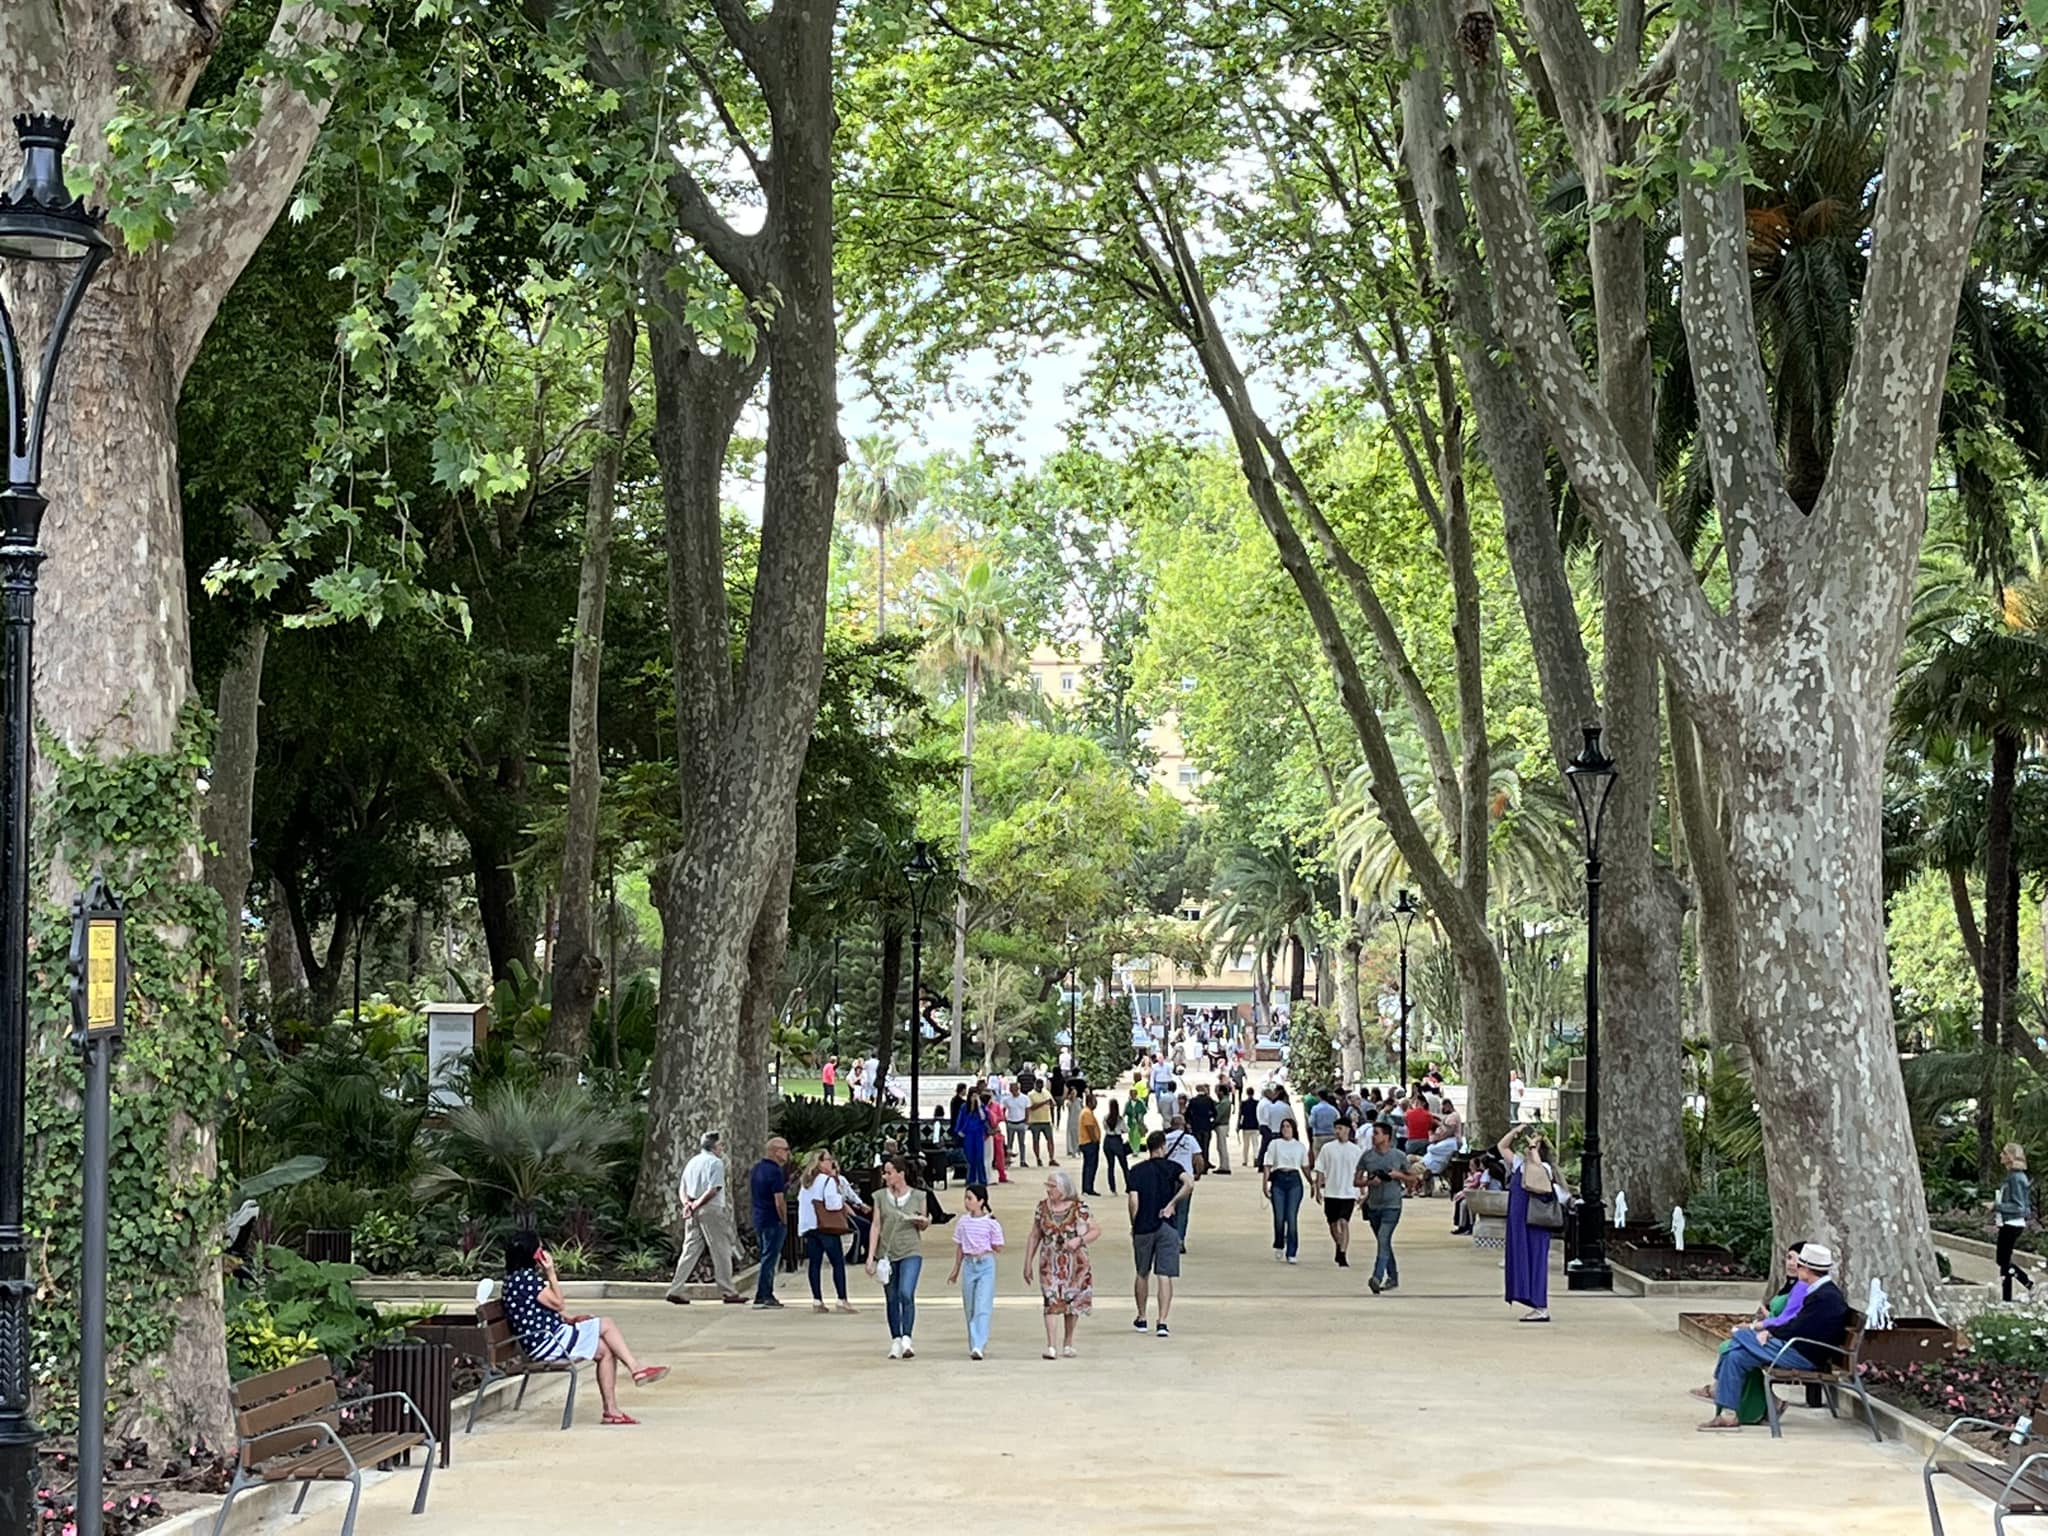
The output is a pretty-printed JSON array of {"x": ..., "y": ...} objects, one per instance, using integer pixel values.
[
  {"x": 1200, "y": 1113},
  {"x": 1156, "y": 1186}
]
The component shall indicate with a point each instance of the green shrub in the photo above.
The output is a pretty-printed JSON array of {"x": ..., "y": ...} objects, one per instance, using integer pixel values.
[
  {"x": 516, "y": 1148},
  {"x": 255, "y": 1343},
  {"x": 300, "y": 1299},
  {"x": 1312, "y": 1062},
  {"x": 1735, "y": 1213},
  {"x": 387, "y": 1241},
  {"x": 2010, "y": 1338},
  {"x": 1102, "y": 1042}
]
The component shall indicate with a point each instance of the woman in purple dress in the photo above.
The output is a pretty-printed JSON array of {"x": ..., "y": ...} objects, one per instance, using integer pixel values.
[{"x": 1532, "y": 1176}]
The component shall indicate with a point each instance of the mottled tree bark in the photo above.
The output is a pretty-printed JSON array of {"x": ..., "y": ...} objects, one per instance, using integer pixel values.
[
  {"x": 284, "y": 973},
  {"x": 1794, "y": 684},
  {"x": 742, "y": 732},
  {"x": 578, "y": 966}
]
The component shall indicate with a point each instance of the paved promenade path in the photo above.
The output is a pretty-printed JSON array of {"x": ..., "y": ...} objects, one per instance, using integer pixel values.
[{"x": 1288, "y": 1399}]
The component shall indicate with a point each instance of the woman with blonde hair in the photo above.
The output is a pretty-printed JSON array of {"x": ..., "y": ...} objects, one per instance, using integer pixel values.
[
  {"x": 1056, "y": 1261},
  {"x": 2013, "y": 1209},
  {"x": 825, "y": 1211}
]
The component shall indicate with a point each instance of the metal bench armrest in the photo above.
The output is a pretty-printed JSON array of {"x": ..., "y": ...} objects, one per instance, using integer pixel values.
[
  {"x": 322, "y": 1425},
  {"x": 1949, "y": 1434},
  {"x": 402, "y": 1397},
  {"x": 2019, "y": 1472},
  {"x": 1806, "y": 1344}
]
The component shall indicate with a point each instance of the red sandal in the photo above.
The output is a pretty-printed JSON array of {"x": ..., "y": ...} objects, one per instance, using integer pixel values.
[
  {"x": 648, "y": 1375},
  {"x": 619, "y": 1418}
]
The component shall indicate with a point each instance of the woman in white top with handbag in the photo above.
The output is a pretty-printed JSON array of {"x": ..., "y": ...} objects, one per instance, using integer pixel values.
[{"x": 826, "y": 1207}]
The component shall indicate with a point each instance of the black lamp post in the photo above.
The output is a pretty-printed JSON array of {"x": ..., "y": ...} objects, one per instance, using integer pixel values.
[
  {"x": 1406, "y": 909},
  {"x": 1591, "y": 775},
  {"x": 42, "y": 226},
  {"x": 920, "y": 872},
  {"x": 1073, "y": 990}
]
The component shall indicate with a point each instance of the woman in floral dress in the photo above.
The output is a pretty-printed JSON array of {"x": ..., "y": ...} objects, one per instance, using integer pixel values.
[{"x": 1056, "y": 1261}]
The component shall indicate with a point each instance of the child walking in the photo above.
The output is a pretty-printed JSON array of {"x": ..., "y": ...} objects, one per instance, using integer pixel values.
[{"x": 977, "y": 1239}]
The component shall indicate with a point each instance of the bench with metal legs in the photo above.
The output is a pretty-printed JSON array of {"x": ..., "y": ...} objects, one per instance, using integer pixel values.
[
  {"x": 1830, "y": 1376},
  {"x": 2017, "y": 1487},
  {"x": 288, "y": 1429}
]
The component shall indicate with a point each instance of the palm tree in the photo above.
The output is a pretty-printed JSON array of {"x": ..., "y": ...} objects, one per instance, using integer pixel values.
[
  {"x": 1976, "y": 677},
  {"x": 1267, "y": 905},
  {"x": 970, "y": 618},
  {"x": 880, "y": 491}
]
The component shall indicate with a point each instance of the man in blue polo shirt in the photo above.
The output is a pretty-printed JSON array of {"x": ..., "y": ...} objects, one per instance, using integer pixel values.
[{"x": 767, "y": 1187}]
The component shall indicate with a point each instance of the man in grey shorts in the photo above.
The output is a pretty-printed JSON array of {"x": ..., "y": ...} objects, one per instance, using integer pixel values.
[{"x": 1156, "y": 1187}]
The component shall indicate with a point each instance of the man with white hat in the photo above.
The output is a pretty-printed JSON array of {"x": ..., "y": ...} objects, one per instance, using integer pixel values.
[{"x": 1814, "y": 1311}]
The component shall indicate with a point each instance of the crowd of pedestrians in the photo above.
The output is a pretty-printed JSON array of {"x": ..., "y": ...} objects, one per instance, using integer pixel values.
[{"x": 1360, "y": 1155}]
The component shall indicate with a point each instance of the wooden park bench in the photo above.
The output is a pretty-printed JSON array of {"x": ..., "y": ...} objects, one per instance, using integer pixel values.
[
  {"x": 488, "y": 1337},
  {"x": 2016, "y": 1487},
  {"x": 1843, "y": 1369},
  {"x": 288, "y": 1428}
]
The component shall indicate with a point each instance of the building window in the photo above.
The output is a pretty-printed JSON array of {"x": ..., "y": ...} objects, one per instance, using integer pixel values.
[
  {"x": 1066, "y": 682},
  {"x": 1190, "y": 775},
  {"x": 1191, "y": 914},
  {"x": 1037, "y": 683}
]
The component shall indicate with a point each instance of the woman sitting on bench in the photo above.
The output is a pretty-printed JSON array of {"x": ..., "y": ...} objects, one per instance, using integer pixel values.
[{"x": 533, "y": 1302}]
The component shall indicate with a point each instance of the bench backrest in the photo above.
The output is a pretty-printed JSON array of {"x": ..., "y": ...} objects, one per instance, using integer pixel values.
[
  {"x": 285, "y": 1409},
  {"x": 500, "y": 1339},
  {"x": 1852, "y": 1336}
]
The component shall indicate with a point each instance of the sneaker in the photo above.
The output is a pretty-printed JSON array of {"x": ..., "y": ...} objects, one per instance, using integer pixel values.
[
  {"x": 1279, "y": 1256},
  {"x": 1292, "y": 1259},
  {"x": 1140, "y": 1324},
  {"x": 1391, "y": 1285},
  {"x": 974, "y": 1354},
  {"x": 766, "y": 1304},
  {"x": 1342, "y": 1262},
  {"x": 895, "y": 1349},
  {"x": 1374, "y": 1285},
  {"x": 908, "y": 1352},
  {"x": 1163, "y": 1333}
]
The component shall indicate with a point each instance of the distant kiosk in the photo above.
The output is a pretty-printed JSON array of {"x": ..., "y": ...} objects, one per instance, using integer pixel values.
[{"x": 453, "y": 1030}]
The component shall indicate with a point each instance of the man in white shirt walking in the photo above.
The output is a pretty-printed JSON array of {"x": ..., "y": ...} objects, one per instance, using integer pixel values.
[
  {"x": 1016, "y": 1111},
  {"x": 1336, "y": 1174},
  {"x": 707, "y": 1224},
  {"x": 1272, "y": 1114},
  {"x": 1184, "y": 1150}
]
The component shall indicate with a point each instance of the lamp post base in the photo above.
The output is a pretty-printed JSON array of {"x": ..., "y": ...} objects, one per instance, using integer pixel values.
[
  {"x": 1588, "y": 1269},
  {"x": 19, "y": 1473}
]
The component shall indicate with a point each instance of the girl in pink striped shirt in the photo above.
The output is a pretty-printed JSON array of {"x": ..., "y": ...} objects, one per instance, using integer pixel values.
[{"x": 977, "y": 1239}]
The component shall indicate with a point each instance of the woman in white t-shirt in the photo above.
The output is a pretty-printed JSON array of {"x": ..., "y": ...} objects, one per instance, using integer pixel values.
[
  {"x": 825, "y": 1210},
  {"x": 1286, "y": 1163}
]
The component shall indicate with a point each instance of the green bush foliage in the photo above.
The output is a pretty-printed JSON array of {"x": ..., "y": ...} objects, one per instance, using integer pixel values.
[
  {"x": 2010, "y": 1338},
  {"x": 1736, "y": 1214},
  {"x": 1102, "y": 1042},
  {"x": 1312, "y": 1060},
  {"x": 298, "y": 1308}
]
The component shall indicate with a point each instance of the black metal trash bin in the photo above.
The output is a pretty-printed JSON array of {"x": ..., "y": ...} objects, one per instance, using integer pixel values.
[
  {"x": 323, "y": 1245},
  {"x": 425, "y": 1373}
]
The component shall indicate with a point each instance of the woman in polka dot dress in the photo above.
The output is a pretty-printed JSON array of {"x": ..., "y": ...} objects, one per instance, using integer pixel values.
[{"x": 533, "y": 1304}]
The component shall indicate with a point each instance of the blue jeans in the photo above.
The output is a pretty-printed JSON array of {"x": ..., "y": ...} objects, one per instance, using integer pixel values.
[
  {"x": 1287, "y": 1211},
  {"x": 1384, "y": 1269},
  {"x": 818, "y": 1247},
  {"x": 901, "y": 1295},
  {"x": 1743, "y": 1356},
  {"x": 978, "y": 1297},
  {"x": 772, "y": 1235}
]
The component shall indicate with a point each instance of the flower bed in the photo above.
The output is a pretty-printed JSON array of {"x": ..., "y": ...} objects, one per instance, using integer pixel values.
[
  {"x": 1940, "y": 1391},
  {"x": 1662, "y": 1260}
]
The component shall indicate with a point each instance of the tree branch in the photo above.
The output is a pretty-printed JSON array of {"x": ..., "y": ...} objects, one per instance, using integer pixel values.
[
  {"x": 218, "y": 237},
  {"x": 738, "y": 256},
  {"x": 1927, "y": 208},
  {"x": 1695, "y": 640},
  {"x": 1736, "y": 428}
]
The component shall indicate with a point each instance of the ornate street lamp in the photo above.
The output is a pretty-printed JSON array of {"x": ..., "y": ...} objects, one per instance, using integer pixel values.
[
  {"x": 1592, "y": 776},
  {"x": 43, "y": 229},
  {"x": 919, "y": 872},
  {"x": 1406, "y": 910},
  {"x": 1073, "y": 947}
]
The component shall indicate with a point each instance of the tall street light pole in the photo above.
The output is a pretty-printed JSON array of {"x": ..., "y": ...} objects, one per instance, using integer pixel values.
[
  {"x": 42, "y": 228},
  {"x": 919, "y": 872},
  {"x": 1592, "y": 776},
  {"x": 1073, "y": 991},
  {"x": 1406, "y": 907}
]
